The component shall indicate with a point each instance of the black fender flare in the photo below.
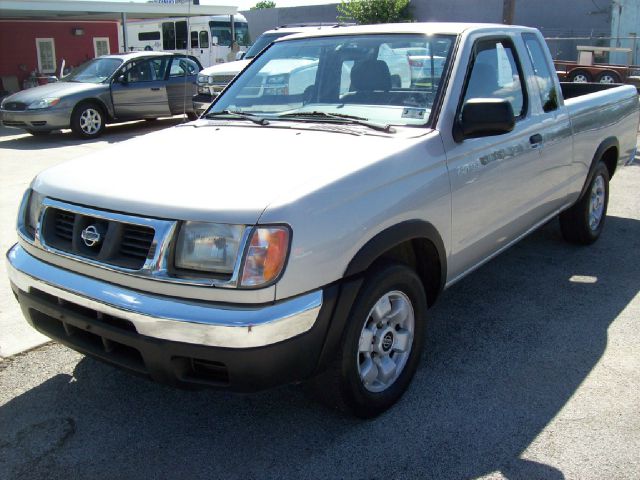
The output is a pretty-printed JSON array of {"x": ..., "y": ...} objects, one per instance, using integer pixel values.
[
  {"x": 353, "y": 277},
  {"x": 393, "y": 236},
  {"x": 607, "y": 143}
]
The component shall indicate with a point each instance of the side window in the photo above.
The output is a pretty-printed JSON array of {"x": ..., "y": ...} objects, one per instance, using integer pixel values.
[
  {"x": 544, "y": 79},
  {"x": 168, "y": 36},
  {"x": 181, "y": 65},
  {"x": 146, "y": 70},
  {"x": 194, "y": 40},
  {"x": 495, "y": 74}
]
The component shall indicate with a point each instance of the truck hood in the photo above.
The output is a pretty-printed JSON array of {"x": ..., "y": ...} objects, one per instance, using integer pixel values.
[
  {"x": 53, "y": 90},
  {"x": 228, "y": 68},
  {"x": 226, "y": 172}
]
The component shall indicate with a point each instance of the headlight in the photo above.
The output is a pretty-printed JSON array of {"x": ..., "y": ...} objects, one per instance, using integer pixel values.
[
  {"x": 266, "y": 256},
  {"x": 34, "y": 209},
  {"x": 43, "y": 103},
  {"x": 203, "y": 79},
  {"x": 211, "y": 80},
  {"x": 277, "y": 79},
  {"x": 208, "y": 247}
]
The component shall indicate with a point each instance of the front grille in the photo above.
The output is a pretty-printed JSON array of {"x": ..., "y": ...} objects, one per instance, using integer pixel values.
[
  {"x": 14, "y": 106},
  {"x": 103, "y": 240},
  {"x": 136, "y": 242},
  {"x": 63, "y": 224},
  {"x": 222, "y": 79},
  {"x": 9, "y": 123}
]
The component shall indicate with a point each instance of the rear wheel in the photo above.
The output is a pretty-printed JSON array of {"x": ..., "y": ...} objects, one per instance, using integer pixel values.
[
  {"x": 88, "y": 120},
  {"x": 381, "y": 346},
  {"x": 580, "y": 76},
  {"x": 583, "y": 223}
]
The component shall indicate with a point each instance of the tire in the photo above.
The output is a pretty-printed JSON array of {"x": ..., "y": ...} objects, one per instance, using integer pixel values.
[
  {"x": 88, "y": 120},
  {"x": 192, "y": 116},
  {"x": 608, "y": 77},
  {"x": 583, "y": 223},
  {"x": 356, "y": 381},
  {"x": 39, "y": 133},
  {"x": 580, "y": 76}
]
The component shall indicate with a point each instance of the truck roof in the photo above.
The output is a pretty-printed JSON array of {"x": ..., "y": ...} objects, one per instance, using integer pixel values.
[{"x": 452, "y": 28}]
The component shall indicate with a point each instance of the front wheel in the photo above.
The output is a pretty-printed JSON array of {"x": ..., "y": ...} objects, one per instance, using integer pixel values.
[
  {"x": 583, "y": 223},
  {"x": 381, "y": 346},
  {"x": 87, "y": 120}
]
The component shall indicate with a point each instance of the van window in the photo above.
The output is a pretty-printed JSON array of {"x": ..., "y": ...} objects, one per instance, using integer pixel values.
[
  {"x": 145, "y": 36},
  {"x": 181, "y": 35},
  {"x": 168, "y": 36}
]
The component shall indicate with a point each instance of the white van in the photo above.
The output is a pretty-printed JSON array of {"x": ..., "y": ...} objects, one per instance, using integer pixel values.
[{"x": 208, "y": 38}]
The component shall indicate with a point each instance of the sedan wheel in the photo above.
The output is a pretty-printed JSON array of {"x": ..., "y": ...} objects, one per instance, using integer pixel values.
[{"x": 87, "y": 120}]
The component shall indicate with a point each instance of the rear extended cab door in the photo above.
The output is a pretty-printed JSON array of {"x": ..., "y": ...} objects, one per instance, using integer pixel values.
[
  {"x": 139, "y": 89},
  {"x": 501, "y": 185}
]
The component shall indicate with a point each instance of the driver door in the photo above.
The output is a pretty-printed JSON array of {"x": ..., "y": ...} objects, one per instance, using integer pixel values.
[{"x": 139, "y": 90}]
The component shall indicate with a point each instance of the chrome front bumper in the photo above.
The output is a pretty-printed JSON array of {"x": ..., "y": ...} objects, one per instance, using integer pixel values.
[{"x": 166, "y": 318}]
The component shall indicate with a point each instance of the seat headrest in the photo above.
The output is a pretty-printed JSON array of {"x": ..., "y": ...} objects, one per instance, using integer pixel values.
[{"x": 370, "y": 75}]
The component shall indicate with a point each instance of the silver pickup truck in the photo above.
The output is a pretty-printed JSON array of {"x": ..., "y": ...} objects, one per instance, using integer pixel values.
[{"x": 313, "y": 251}]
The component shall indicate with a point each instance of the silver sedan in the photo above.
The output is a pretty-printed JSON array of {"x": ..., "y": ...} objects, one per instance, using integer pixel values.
[{"x": 111, "y": 88}]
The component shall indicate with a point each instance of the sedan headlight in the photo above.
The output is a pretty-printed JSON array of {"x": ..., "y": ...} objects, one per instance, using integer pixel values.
[
  {"x": 43, "y": 103},
  {"x": 266, "y": 256},
  {"x": 208, "y": 247}
]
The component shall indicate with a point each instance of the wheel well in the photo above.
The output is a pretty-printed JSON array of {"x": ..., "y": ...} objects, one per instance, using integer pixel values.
[
  {"x": 94, "y": 101},
  {"x": 610, "y": 159},
  {"x": 422, "y": 256}
]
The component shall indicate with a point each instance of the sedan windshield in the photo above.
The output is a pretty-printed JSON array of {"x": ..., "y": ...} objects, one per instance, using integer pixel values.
[
  {"x": 383, "y": 79},
  {"x": 94, "y": 71}
]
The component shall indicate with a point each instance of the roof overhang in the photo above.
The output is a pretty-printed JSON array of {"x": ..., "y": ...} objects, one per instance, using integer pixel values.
[{"x": 97, "y": 10}]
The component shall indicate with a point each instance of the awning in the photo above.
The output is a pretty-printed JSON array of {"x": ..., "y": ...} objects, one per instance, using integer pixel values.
[{"x": 97, "y": 10}]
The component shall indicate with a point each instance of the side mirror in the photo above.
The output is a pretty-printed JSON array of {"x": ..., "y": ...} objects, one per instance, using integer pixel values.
[
  {"x": 122, "y": 79},
  {"x": 484, "y": 117},
  {"x": 240, "y": 55}
]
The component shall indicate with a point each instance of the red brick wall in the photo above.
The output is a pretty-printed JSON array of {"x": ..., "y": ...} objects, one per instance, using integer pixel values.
[{"x": 18, "y": 43}]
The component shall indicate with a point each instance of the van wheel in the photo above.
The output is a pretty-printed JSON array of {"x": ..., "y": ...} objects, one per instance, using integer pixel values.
[
  {"x": 88, "y": 120},
  {"x": 582, "y": 224},
  {"x": 381, "y": 346}
]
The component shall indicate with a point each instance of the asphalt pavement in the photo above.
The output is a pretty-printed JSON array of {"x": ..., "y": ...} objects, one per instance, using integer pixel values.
[{"x": 531, "y": 371}]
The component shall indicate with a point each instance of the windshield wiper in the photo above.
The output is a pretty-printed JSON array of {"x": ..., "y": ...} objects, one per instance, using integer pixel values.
[
  {"x": 244, "y": 116},
  {"x": 343, "y": 118}
]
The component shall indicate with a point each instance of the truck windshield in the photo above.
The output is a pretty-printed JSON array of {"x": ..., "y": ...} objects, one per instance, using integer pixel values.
[
  {"x": 94, "y": 71},
  {"x": 387, "y": 79}
]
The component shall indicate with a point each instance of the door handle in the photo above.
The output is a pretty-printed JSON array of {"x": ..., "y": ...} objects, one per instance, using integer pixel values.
[
  {"x": 155, "y": 89},
  {"x": 535, "y": 140}
]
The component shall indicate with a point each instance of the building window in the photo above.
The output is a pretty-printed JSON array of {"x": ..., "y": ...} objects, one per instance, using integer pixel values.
[
  {"x": 46, "y": 55},
  {"x": 101, "y": 46}
]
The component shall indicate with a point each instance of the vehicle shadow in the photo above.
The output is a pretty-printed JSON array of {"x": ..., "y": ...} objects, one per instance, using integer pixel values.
[
  {"x": 114, "y": 133},
  {"x": 508, "y": 347}
]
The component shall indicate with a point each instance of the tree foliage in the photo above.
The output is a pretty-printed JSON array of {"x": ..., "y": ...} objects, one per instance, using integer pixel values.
[
  {"x": 374, "y": 11},
  {"x": 263, "y": 4}
]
